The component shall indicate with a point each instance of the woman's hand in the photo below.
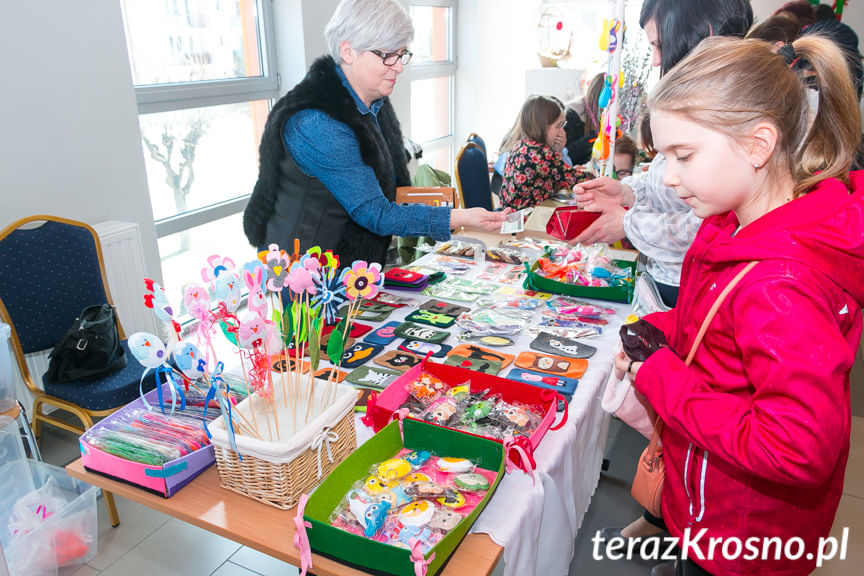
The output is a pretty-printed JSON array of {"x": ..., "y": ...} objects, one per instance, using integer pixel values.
[
  {"x": 478, "y": 218},
  {"x": 609, "y": 228},
  {"x": 600, "y": 193},
  {"x": 623, "y": 363}
]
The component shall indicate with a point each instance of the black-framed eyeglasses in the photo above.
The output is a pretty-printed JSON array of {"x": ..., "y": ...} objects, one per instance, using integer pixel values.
[{"x": 390, "y": 58}]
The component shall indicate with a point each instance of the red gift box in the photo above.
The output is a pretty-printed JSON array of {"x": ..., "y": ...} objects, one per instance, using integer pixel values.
[
  {"x": 380, "y": 408},
  {"x": 567, "y": 222}
]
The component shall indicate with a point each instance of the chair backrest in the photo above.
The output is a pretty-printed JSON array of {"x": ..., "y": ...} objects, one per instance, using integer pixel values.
[
  {"x": 472, "y": 177},
  {"x": 476, "y": 139},
  {"x": 48, "y": 274}
]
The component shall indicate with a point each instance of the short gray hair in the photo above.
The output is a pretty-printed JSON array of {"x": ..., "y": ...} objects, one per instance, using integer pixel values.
[{"x": 368, "y": 25}]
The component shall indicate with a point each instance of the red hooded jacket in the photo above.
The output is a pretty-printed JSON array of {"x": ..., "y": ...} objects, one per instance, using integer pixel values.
[{"x": 757, "y": 428}]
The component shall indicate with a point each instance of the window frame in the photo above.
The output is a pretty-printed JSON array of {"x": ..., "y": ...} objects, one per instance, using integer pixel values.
[
  {"x": 448, "y": 68},
  {"x": 169, "y": 97}
]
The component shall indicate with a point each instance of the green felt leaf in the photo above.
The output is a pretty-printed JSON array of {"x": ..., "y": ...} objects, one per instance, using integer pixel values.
[
  {"x": 314, "y": 348},
  {"x": 335, "y": 346},
  {"x": 231, "y": 336}
]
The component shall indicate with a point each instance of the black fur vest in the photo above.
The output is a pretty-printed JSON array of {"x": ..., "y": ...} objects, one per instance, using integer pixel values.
[{"x": 288, "y": 204}]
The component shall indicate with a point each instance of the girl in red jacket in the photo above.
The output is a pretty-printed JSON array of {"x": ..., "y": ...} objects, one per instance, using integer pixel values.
[{"x": 756, "y": 432}]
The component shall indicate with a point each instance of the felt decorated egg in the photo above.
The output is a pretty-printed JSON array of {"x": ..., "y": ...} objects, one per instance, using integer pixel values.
[
  {"x": 394, "y": 468},
  {"x": 147, "y": 349},
  {"x": 455, "y": 465},
  {"x": 472, "y": 481},
  {"x": 417, "y": 513}
]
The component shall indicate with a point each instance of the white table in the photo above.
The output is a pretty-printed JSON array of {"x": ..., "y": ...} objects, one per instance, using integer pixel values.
[{"x": 536, "y": 524}]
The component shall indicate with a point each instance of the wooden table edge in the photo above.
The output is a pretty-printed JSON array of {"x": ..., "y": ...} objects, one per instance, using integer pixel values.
[{"x": 476, "y": 554}]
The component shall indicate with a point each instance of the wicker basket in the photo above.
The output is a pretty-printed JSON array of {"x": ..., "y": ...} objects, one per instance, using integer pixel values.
[
  {"x": 277, "y": 473},
  {"x": 281, "y": 485}
]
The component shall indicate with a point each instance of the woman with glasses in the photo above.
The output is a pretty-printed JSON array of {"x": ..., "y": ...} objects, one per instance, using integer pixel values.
[
  {"x": 332, "y": 155},
  {"x": 535, "y": 168}
]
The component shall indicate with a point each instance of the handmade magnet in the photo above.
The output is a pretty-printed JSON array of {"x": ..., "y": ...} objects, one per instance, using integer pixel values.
[
  {"x": 431, "y": 318},
  {"x": 445, "y": 520},
  {"x": 369, "y": 513},
  {"x": 396, "y": 496},
  {"x": 382, "y": 335},
  {"x": 415, "y": 477},
  {"x": 478, "y": 365},
  {"x": 417, "y": 513},
  {"x": 369, "y": 377},
  {"x": 417, "y": 458},
  {"x": 479, "y": 353},
  {"x": 398, "y": 360},
  {"x": 555, "y": 365},
  {"x": 454, "y": 465},
  {"x": 358, "y": 354},
  {"x": 375, "y": 485},
  {"x": 441, "y": 411},
  {"x": 422, "y": 348},
  {"x": 414, "y": 332},
  {"x": 472, "y": 481},
  {"x": 452, "y": 499},
  {"x": 562, "y": 346},
  {"x": 441, "y": 307},
  {"x": 393, "y": 469},
  {"x": 425, "y": 490}
]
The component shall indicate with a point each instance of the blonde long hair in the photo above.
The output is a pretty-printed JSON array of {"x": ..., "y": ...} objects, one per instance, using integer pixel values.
[{"x": 730, "y": 85}]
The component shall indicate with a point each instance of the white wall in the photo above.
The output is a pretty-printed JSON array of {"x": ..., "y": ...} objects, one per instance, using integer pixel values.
[
  {"x": 853, "y": 14},
  {"x": 70, "y": 143}
]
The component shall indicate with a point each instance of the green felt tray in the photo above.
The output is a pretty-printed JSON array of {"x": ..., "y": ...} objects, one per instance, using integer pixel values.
[
  {"x": 534, "y": 281},
  {"x": 376, "y": 556}
]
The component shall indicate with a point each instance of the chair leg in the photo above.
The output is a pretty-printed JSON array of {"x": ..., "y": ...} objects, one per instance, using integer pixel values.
[
  {"x": 28, "y": 430},
  {"x": 113, "y": 517},
  {"x": 37, "y": 420}
]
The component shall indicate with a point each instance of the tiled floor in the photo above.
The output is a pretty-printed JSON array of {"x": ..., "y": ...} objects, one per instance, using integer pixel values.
[{"x": 151, "y": 543}]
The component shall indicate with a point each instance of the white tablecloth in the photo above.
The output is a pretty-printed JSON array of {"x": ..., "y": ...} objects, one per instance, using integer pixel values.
[{"x": 536, "y": 524}]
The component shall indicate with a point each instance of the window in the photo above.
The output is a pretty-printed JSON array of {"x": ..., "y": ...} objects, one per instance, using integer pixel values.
[
  {"x": 204, "y": 74},
  {"x": 433, "y": 80}
]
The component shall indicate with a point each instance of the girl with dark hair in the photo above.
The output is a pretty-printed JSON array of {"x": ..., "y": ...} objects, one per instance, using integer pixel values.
[{"x": 535, "y": 168}]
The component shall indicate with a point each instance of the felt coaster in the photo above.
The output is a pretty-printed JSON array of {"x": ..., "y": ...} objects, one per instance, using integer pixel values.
[
  {"x": 431, "y": 318},
  {"x": 488, "y": 366},
  {"x": 480, "y": 353},
  {"x": 393, "y": 299},
  {"x": 422, "y": 348},
  {"x": 382, "y": 335},
  {"x": 369, "y": 315},
  {"x": 402, "y": 277},
  {"x": 555, "y": 365},
  {"x": 441, "y": 307},
  {"x": 324, "y": 374},
  {"x": 398, "y": 360},
  {"x": 411, "y": 331},
  {"x": 325, "y": 338},
  {"x": 372, "y": 377},
  {"x": 546, "y": 342},
  {"x": 374, "y": 306},
  {"x": 359, "y": 353},
  {"x": 559, "y": 384},
  {"x": 277, "y": 364},
  {"x": 363, "y": 395}
]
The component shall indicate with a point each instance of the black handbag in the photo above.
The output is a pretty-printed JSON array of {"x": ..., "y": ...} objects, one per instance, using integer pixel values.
[{"x": 90, "y": 349}]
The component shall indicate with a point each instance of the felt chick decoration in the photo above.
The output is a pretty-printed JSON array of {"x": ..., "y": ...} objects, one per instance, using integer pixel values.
[
  {"x": 157, "y": 300},
  {"x": 151, "y": 353},
  {"x": 224, "y": 281},
  {"x": 250, "y": 337}
]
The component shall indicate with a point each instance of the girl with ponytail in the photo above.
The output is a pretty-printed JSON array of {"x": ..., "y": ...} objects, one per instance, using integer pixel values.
[{"x": 756, "y": 434}]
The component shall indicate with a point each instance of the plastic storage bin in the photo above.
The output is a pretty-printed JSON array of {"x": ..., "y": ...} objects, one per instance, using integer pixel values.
[
  {"x": 64, "y": 540},
  {"x": 7, "y": 377}
]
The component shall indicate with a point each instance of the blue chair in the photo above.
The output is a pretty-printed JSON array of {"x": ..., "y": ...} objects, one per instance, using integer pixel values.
[
  {"x": 476, "y": 139},
  {"x": 48, "y": 274},
  {"x": 472, "y": 177}
]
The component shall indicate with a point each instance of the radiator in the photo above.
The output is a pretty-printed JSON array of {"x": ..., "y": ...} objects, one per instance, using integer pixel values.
[{"x": 124, "y": 266}]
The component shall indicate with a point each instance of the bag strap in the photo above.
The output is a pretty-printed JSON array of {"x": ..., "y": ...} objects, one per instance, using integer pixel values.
[{"x": 658, "y": 423}]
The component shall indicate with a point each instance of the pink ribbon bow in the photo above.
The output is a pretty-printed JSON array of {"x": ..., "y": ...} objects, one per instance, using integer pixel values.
[
  {"x": 301, "y": 539},
  {"x": 400, "y": 415},
  {"x": 524, "y": 451},
  {"x": 421, "y": 564}
]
